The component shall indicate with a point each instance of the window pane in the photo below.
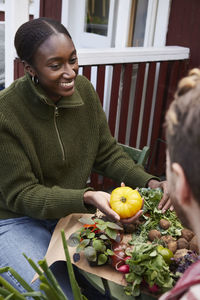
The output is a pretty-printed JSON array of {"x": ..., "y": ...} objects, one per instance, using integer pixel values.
[
  {"x": 97, "y": 13},
  {"x": 140, "y": 23}
]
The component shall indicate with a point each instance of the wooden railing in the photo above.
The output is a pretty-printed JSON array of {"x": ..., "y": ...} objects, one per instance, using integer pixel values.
[{"x": 135, "y": 86}]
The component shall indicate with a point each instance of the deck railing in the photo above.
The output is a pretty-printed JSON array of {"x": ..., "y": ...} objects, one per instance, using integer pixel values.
[{"x": 135, "y": 86}]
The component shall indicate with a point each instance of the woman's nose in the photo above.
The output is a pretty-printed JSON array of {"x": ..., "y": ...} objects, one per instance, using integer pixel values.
[{"x": 69, "y": 72}]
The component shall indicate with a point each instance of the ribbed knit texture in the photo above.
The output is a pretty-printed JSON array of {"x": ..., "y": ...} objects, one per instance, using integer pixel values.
[{"x": 46, "y": 156}]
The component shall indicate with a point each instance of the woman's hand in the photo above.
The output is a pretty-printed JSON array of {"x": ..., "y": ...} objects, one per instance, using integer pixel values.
[
  {"x": 134, "y": 218},
  {"x": 101, "y": 200},
  {"x": 165, "y": 202}
]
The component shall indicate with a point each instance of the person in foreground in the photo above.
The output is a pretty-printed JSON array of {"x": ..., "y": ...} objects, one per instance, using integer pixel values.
[
  {"x": 53, "y": 131},
  {"x": 183, "y": 165}
]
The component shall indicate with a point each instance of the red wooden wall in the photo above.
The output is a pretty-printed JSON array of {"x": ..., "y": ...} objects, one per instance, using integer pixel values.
[
  {"x": 169, "y": 74},
  {"x": 184, "y": 28},
  {"x": 51, "y": 9}
]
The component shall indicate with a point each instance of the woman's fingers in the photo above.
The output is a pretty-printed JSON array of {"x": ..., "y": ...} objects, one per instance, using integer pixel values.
[{"x": 132, "y": 219}]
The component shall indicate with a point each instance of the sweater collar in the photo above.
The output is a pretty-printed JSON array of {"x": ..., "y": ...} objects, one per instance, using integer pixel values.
[{"x": 74, "y": 100}]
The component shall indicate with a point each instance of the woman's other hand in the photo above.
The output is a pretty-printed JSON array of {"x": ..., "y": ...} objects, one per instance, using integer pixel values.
[{"x": 165, "y": 202}]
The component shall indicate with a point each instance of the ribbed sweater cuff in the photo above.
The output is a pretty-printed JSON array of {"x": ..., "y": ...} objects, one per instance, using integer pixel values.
[{"x": 90, "y": 208}]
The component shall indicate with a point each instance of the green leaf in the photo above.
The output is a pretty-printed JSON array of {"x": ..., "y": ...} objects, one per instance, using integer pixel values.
[
  {"x": 109, "y": 252},
  {"x": 136, "y": 286},
  {"x": 153, "y": 275},
  {"x": 98, "y": 245},
  {"x": 90, "y": 235},
  {"x": 99, "y": 221},
  {"x": 113, "y": 226},
  {"x": 153, "y": 253},
  {"x": 103, "y": 237},
  {"x": 74, "y": 239},
  {"x": 102, "y": 259},
  {"x": 90, "y": 253},
  {"x": 102, "y": 227},
  {"x": 85, "y": 220},
  {"x": 111, "y": 233},
  {"x": 82, "y": 245}
]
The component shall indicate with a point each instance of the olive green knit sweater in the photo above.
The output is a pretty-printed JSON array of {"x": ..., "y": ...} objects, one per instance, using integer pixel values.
[{"x": 47, "y": 151}]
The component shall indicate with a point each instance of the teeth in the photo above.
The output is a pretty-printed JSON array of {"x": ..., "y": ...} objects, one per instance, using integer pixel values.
[{"x": 66, "y": 84}]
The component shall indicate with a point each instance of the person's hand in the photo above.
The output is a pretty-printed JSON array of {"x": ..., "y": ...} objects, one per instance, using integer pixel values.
[
  {"x": 134, "y": 218},
  {"x": 101, "y": 200},
  {"x": 165, "y": 202}
]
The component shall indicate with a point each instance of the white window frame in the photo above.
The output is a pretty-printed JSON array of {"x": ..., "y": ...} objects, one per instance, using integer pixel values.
[
  {"x": 156, "y": 23},
  {"x": 81, "y": 38}
]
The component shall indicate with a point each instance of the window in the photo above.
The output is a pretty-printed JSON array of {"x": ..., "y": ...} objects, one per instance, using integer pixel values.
[
  {"x": 138, "y": 23},
  {"x": 97, "y": 14}
]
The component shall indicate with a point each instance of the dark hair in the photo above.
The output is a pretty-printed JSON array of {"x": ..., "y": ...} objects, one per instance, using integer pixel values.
[
  {"x": 182, "y": 129},
  {"x": 33, "y": 33}
]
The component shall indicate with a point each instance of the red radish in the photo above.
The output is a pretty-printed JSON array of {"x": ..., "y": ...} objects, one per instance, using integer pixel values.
[
  {"x": 154, "y": 288},
  {"x": 128, "y": 257},
  {"x": 124, "y": 269}
]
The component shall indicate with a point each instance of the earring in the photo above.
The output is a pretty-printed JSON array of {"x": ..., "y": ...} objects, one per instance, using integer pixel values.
[{"x": 35, "y": 80}]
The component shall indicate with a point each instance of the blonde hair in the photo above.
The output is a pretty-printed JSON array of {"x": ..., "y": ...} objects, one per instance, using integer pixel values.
[{"x": 182, "y": 123}]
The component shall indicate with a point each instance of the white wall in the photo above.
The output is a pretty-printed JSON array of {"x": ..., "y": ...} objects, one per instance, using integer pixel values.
[{"x": 16, "y": 13}]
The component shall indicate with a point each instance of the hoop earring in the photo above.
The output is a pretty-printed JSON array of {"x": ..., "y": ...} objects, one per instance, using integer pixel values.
[{"x": 35, "y": 80}]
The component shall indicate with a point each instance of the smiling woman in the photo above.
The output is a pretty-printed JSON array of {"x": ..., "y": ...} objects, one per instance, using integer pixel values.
[
  {"x": 53, "y": 133},
  {"x": 54, "y": 67}
]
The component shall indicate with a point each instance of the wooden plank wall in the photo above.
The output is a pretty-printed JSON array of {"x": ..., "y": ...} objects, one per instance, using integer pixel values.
[
  {"x": 184, "y": 28},
  {"x": 167, "y": 75},
  {"x": 51, "y": 9}
]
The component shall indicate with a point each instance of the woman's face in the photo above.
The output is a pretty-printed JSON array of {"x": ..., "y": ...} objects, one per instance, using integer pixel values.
[{"x": 56, "y": 66}]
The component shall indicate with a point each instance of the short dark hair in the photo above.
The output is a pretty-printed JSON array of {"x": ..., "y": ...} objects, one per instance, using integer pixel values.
[
  {"x": 33, "y": 33},
  {"x": 183, "y": 129}
]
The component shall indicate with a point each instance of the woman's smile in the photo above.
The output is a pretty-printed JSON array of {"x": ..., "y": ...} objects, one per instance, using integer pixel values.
[{"x": 67, "y": 85}]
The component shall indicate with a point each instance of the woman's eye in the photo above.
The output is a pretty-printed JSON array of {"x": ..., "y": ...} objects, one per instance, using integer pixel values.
[
  {"x": 73, "y": 60},
  {"x": 54, "y": 66}
]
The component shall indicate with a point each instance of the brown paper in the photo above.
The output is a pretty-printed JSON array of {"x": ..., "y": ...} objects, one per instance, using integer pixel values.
[{"x": 55, "y": 251}]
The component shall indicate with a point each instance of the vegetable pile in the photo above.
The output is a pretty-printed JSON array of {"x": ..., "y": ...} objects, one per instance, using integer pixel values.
[
  {"x": 147, "y": 267},
  {"x": 157, "y": 253},
  {"x": 166, "y": 238}
]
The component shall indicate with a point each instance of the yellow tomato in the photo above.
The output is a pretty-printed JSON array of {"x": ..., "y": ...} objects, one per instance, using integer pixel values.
[{"x": 125, "y": 201}]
